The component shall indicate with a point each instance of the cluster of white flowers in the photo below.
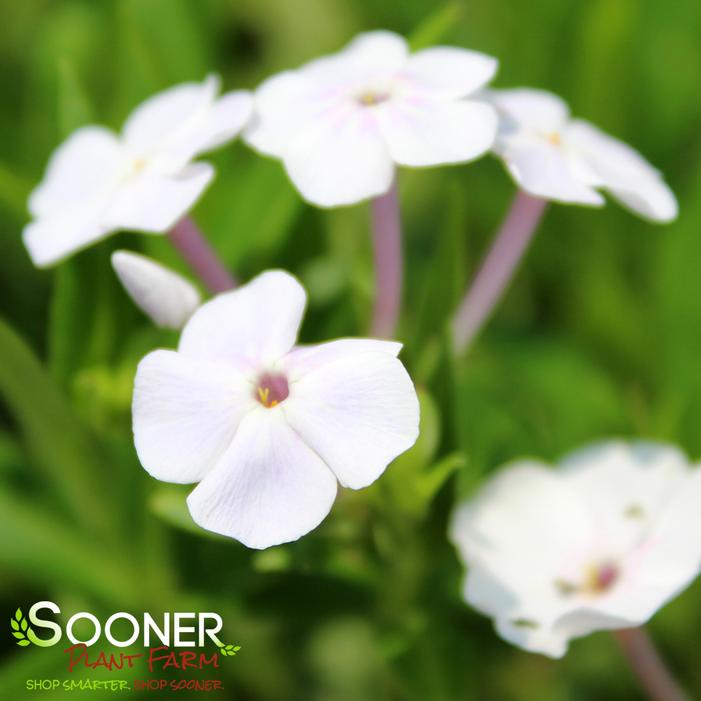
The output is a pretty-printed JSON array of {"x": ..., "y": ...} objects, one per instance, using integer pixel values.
[
  {"x": 340, "y": 124},
  {"x": 268, "y": 428}
]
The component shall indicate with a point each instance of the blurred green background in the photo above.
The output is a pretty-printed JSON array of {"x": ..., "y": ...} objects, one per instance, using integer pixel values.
[{"x": 599, "y": 336}]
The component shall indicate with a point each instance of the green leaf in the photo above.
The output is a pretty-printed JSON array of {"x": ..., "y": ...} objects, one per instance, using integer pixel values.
[
  {"x": 41, "y": 547},
  {"x": 83, "y": 321},
  {"x": 435, "y": 27},
  {"x": 168, "y": 501},
  {"x": 74, "y": 109},
  {"x": 14, "y": 624},
  {"x": 18, "y": 614},
  {"x": 23, "y": 643},
  {"x": 14, "y": 191},
  {"x": 557, "y": 397},
  {"x": 443, "y": 279},
  {"x": 19, "y": 635},
  {"x": 23, "y": 624},
  {"x": 63, "y": 451},
  {"x": 410, "y": 479}
]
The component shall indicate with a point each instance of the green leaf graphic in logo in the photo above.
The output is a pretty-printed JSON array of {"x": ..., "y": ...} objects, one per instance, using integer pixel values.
[
  {"x": 21, "y": 629},
  {"x": 229, "y": 650}
]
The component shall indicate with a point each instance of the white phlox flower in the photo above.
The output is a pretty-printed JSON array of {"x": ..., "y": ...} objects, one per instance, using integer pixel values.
[
  {"x": 165, "y": 296},
  {"x": 265, "y": 426},
  {"x": 600, "y": 543},
  {"x": 98, "y": 182},
  {"x": 555, "y": 157},
  {"x": 340, "y": 123}
]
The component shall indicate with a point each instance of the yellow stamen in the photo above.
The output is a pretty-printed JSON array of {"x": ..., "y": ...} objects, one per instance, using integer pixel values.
[
  {"x": 634, "y": 511},
  {"x": 264, "y": 397},
  {"x": 368, "y": 98},
  {"x": 555, "y": 139},
  {"x": 600, "y": 578}
]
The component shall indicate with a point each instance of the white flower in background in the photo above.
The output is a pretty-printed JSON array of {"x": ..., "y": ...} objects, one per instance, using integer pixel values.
[
  {"x": 166, "y": 297},
  {"x": 267, "y": 427},
  {"x": 558, "y": 158},
  {"x": 601, "y": 543},
  {"x": 98, "y": 182},
  {"x": 341, "y": 123}
]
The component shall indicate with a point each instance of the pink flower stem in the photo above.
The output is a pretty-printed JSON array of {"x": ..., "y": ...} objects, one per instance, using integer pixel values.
[
  {"x": 200, "y": 256},
  {"x": 649, "y": 667},
  {"x": 387, "y": 247},
  {"x": 498, "y": 268}
]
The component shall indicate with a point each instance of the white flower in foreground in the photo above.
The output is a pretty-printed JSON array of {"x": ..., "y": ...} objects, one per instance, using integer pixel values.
[
  {"x": 558, "y": 158},
  {"x": 340, "y": 123},
  {"x": 267, "y": 427},
  {"x": 98, "y": 182},
  {"x": 601, "y": 543},
  {"x": 166, "y": 297}
]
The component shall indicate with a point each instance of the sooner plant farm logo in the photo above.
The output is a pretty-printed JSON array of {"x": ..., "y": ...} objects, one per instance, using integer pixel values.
[{"x": 164, "y": 639}]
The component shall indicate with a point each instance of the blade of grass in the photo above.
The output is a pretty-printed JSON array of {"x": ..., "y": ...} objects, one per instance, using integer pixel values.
[{"x": 62, "y": 449}]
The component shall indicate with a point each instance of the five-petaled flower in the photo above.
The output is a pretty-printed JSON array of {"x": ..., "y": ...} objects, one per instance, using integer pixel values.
[
  {"x": 601, "y": 543},
  {"x": 267, "y": 427},
  {"x": 98, "y": 182},
  {"x": 166, "y": 297},
  {"x": 568, "y": 160},
  {"x": 340, "y": 123}
]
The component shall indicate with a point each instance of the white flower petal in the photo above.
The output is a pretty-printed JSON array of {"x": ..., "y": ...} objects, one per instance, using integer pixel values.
[
  {"x": 81, "y": 170},
  {"x": 448, "y": 72},
  {"x": 369, "y": 56},
  {"x": 340, "y": 158},
  {"x": 185, "y": 414},
  {"x": 268, "y": 488},
  {"x": 69, "y": 204},
  {"x": 487, "y": 593},
  {"x": 255, "y": 323},
  {"x": 357, "y": 413},
  {"x": 151, "y": 202},
  {"x": 543, "y": 170},
  {"x": 225, "y": 120},
  {"x": 167, "y": 298},
  {"x": 552, "y": 639},
  {"x": 171, "y": 128},
  {"x": 291, "y": 102},
  {"x": 532, "y": 636},
  {"x": 644, "y": 498},
  {"x": 304, "y": 359},
  {"x": 421, "y": 132},
  {"x": 585, "y": 620},
  {"x": 651, "y": 199},
  {"x": 536, "y": 110},
  {"x": 283, "y": 103},
  {"x": 673, "y": 559},
  {"x": 622, "y": 171},
  {"x": 163, "y": 120},
  {"x": 524, "y": 504},
  {"x": 515, "y": 537},
  {"x": 617, "y": 477},
  {"x": 49, "y": 241}
]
